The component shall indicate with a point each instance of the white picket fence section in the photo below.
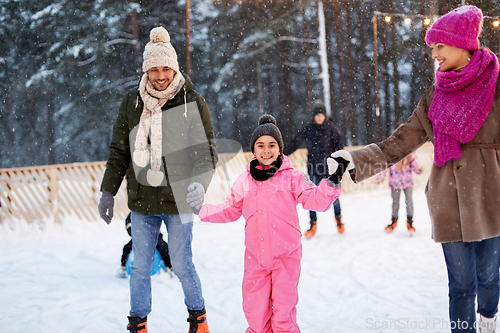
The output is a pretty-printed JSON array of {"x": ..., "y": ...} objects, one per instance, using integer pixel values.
[{"x": 51, "y": 192}]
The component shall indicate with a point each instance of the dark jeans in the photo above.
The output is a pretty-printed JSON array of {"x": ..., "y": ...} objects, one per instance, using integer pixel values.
[
  {"x": 336, "y": 204},
  {"x": 473, "y": 270}
]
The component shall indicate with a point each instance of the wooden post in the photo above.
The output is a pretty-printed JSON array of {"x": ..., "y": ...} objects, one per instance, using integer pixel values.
[
  {"x": 375, "y": 61},
  {"x": 53, "y": 193},
  {"x": 259, "y": 88},
  {"x": 188, "y": 37}
]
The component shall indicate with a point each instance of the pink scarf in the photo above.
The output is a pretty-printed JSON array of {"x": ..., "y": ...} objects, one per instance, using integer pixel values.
[{"x": 462, "y": 101}]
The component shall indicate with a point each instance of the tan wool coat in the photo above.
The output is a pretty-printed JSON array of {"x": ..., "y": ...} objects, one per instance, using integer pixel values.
[{"x": 463, "y": 195}]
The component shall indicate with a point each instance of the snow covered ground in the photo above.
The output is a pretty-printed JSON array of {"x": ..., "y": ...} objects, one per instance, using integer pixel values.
[{"x": 61, "y": 277}]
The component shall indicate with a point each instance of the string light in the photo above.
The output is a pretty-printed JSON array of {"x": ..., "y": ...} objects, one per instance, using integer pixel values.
[{"x": 407, "y": 19}]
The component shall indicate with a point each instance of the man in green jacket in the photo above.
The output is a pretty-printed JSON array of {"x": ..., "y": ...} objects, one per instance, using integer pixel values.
[{"x": 164, "y": 135}]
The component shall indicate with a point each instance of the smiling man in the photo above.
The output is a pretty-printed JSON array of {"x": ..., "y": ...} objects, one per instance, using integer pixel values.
[
  {"x": 164, "y": 136},
  {"x": 160, "y": 77}
]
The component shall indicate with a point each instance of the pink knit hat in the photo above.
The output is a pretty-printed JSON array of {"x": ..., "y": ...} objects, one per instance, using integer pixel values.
[{"x": 460, "y": 28}]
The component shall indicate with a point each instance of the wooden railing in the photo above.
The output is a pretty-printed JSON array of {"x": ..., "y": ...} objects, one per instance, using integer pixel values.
[
  {"x": 56, "y": 191},
  {"x": 53, "y": 191}
]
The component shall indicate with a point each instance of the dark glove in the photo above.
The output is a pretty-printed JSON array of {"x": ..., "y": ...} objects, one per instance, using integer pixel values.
[
  {"x": 195, "y": 197},
  {"x": 105, "y": 207},
  {"x": 336, "y": 177}
]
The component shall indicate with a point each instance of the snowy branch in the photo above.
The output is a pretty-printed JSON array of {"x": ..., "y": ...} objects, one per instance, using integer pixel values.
[
  {"x": 86, "y": 62},
  {"x": 127, "y": 81},
  {"x": 275, "y": 41},
  {"x": 122, "y": 41}
]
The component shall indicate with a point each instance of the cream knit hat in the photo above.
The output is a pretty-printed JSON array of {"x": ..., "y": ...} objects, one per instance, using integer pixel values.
[{"x": 159, "y": 52}]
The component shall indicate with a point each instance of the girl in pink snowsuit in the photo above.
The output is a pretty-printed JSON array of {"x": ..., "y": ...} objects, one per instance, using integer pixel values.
[
  {"x": 267, "y": 195},
  {"x": 401, "y": 179}
]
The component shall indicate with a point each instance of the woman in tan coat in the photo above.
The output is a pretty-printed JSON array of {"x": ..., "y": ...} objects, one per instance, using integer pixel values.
[{"x": 461, "y": 116}]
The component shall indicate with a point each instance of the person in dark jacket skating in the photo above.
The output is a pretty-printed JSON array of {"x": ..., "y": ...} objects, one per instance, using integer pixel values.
[{"x": 320, "y": 137}]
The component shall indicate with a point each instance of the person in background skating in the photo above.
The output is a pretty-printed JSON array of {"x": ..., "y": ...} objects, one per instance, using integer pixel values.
[
  {"x": 266, "y": 195},
  {"x": 161, "y": 246},
  {"x": 461, "y": 116},
  {"x": 321, "y": 137},
  {"x": 164, "y": 135},
  {"x": 401, "y": 179}
]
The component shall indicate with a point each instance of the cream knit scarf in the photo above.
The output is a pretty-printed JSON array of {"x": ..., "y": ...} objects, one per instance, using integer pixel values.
[{"x": 150, "y": 124}]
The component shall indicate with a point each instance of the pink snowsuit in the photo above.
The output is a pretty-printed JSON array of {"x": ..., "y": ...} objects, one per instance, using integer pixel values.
[{"x": 272, "y": 240}]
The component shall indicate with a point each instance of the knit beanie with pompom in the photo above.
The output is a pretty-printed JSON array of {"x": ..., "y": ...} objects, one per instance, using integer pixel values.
[
  {"x": 459, "y": 28},
  {"x": 267, "y": 126},
  {"x": 159, "y": 52}
]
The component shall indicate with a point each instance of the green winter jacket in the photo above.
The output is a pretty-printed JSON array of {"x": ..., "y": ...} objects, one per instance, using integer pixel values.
[{"x": 188, "y": 149}]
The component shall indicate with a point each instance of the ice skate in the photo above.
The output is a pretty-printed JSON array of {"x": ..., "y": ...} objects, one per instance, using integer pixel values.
[
  {"x": 198, "y": 321},
  {"x": 310, "y": 233},
  {"x": 137, "y": 325},
  {"x": 487, "y": 325},
  {"x": 121, "y": 273},
  {"x": 169, "y": 271},
  {"x": 409, "y": 225},
  {"x": 340, "y": 225},
  {"x": 392, "y": 226}
]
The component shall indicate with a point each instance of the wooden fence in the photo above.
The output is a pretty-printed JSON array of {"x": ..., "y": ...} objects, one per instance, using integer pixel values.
[{"x": 55, "y": 191}]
